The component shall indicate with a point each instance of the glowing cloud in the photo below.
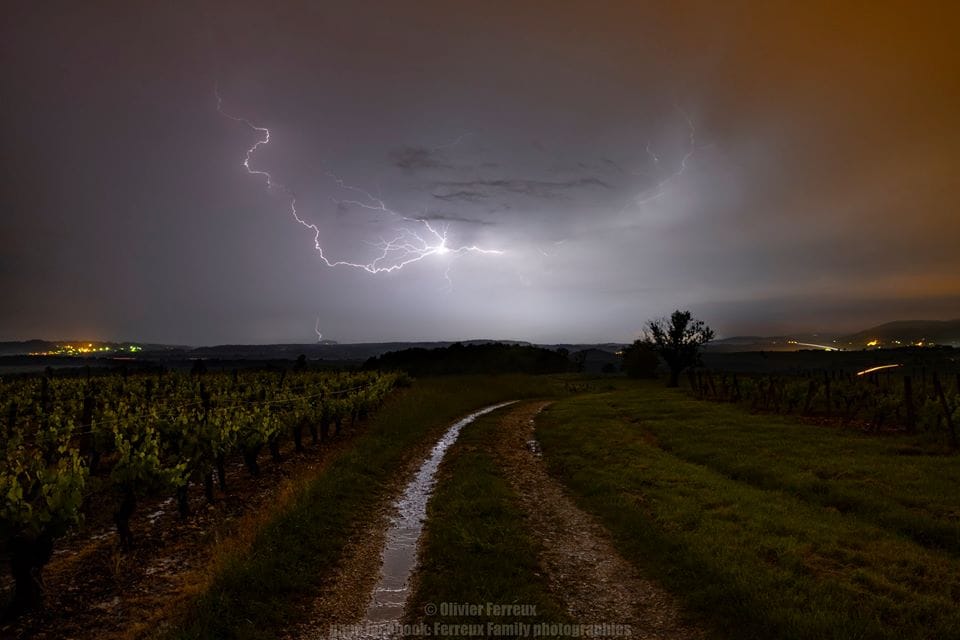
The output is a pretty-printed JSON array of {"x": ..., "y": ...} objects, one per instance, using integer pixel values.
[{"x": 416, "y": 238}]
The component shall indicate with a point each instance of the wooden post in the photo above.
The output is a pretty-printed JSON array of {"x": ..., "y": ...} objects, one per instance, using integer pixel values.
[
  {"x": 826, "y": 379},
  {"x": 811, "y": 390},
  {"x": 946, "y": 410},
  {"x": 908, "y": 403}
]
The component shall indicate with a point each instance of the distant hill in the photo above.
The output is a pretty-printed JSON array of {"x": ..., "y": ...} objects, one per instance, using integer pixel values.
[
  {"x": 24, "y": 347},
  {"x": 326, "y": 350},
  {"x": 904, "y": 333},
  {"x": 61, "y": 347},
  {"x": 473, "y": 358},
  {"x": 65, "y": 353},
  {"x": 773, "y": 343},
  {"x": 901, "y": 333}
]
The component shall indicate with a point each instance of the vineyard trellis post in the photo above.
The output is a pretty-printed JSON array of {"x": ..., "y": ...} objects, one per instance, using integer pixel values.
[
  {"x": 938, "y": 388},
  {"x": 911, "y": 410}
]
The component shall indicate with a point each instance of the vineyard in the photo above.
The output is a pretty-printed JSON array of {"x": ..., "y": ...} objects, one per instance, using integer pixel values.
[
  {"x": 886, "y": 398},
  {"x": 121, "y": 438}
]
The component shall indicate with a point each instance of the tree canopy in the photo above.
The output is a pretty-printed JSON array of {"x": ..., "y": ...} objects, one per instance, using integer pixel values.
[{"x": 678, "y": 340}]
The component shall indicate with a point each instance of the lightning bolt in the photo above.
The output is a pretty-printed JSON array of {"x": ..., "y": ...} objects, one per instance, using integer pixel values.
[
  {"x": 549, "y": 254},
  {"x": 653, "y": 156},
  {"x": 449, "y": 286},
  {"x": 316, "y": 329},
  {"x": 454, "y": 142},
  {"x": 660, "y": 189},
  {"x": 415, "y": 240}
]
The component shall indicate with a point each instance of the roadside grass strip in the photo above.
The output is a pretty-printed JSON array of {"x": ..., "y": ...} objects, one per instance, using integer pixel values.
[
  {"x": 477, "y": 554},
  {"x": 900, "y": 482},
  {"x": 258, "y": 593},
  {"x": 733, "y": 532}
]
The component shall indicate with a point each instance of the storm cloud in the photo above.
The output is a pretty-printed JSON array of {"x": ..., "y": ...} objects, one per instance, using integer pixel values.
[{"x": 771, "y": 166}]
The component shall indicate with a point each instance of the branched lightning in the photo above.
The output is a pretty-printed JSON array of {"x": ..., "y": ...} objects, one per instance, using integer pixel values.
[
  {"x": 658, "y": 190},
  {"x": 653, "y": 155},
  {"x": 453, "y": 142},
  {"x": 449, "y": 286},
  {"x": 415, "y": 240}
]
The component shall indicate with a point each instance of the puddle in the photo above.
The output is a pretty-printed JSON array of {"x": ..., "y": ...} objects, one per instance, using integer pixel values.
[
  {"x": 534, "y": 447},
  {"x": 161, "y": 509},
  {"x": 160, "y": 565},
  {"x": 400, "y": 550}
]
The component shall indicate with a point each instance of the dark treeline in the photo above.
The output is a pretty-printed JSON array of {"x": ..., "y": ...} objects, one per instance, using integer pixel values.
[{"x": 480, "y": 358}]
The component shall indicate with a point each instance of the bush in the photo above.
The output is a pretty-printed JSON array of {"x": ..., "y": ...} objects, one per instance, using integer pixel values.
[{"x": 640, "y": 360}]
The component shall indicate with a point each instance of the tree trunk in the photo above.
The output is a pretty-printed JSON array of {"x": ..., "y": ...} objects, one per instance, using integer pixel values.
[
  {"x": 250, "y": 459},
  {"x": 298, "y": 436},
  {"x": 122, "y": 517},
  {"x": 94, "y": 464},
  {"x": 28, "y": 556},
  {"x": 208, "y": 486},
  {"x": 674, "y": 378},
  {"x": 222, "y": 472},
  {"x": 183, "y": 501}
]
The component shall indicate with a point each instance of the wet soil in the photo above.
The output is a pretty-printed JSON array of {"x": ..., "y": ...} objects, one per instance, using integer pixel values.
[
  {"x": 95, "y": 590},
  {"x": 373, "y": 581},
  {"x": 585, "y": 571}
]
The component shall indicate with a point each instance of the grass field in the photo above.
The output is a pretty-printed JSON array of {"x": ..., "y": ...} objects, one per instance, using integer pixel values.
[
  {"x": 766, "y": 527},
  {"x": 476, "y": 548},
  {"x": 258, "y": 593}
]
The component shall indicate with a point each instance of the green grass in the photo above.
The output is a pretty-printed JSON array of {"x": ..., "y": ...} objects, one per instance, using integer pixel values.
[
  {"x": 728, "y": 510},
  {"x": 902, "y": 483},
  {"x": 477, "y": 548},
  {"x": 255, "y": 595}
]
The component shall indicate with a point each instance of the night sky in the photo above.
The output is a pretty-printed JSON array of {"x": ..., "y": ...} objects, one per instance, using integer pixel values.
[{"x": 773, "y": 167}]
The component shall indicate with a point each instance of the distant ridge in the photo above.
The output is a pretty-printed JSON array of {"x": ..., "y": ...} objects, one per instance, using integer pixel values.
[
  {"x": 891, "y": 335},
  {"x": 36, "y": 345},
  {"x": 907, "y": 332},
  {"x": 899, "y": 333},
  {"x": 793, "y": 342}
]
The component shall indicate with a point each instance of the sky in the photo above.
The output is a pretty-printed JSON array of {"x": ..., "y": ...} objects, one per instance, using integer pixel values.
[{"x": 543, "y": 171}]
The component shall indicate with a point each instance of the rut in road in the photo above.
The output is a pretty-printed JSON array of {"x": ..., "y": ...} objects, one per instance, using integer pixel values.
[
  {"x": 374, "y": 576},
  {"x": 585, "y": 571}
]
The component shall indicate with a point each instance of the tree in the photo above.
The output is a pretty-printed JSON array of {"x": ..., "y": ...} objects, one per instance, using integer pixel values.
[
  {"x": 640, "y": 360},
  {"x": 678, "y": 341}
]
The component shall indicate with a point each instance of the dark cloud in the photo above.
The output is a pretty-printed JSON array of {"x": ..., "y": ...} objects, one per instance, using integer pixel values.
[
  {"x": 411, "y": 158},
  {"x": 452, "y": 217},
  {"x": 462, "y": 194},
  {"x": 529, "y": 188},
  {"x": 822, "y": 191},
  {"x": 610, "y": 165}
]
